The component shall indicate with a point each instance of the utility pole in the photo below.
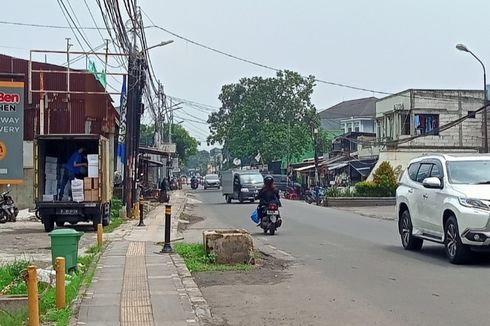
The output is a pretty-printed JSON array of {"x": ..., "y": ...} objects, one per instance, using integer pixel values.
[{"x": 68, "y": 46}]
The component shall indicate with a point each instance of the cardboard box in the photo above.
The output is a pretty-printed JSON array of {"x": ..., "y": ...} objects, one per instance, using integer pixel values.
[
  {"x": 93, "y": 159},
  {"x": 91, "y": 195},
  {"x": 48, "y": 197},
  {"x": 50, "y": 159},
  {"x": 93, "y": 171},
  {"x": 95, "y": 183},
  {"x": 94, "y": 194},
  {"x": 87, "y": 183}
]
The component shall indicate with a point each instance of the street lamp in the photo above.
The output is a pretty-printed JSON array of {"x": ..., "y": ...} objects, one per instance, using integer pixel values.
[
  {"x": 159, "y": 44},
  {"x": 463, "y": 48}
]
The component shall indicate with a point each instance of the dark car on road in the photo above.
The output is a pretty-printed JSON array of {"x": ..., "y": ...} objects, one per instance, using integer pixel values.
[
  {"x": 211, "y": 181},
  {"x": 281, "y": 181}
]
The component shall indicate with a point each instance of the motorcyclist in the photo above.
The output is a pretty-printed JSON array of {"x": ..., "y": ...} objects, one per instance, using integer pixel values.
[{"x": 267, "y": 194}]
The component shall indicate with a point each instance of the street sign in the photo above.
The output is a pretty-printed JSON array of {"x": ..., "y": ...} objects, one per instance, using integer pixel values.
[
  {"x": 168, "y": 147},
  {"x": 175, "y": 163},
  {"x": 11, "y": 132}
]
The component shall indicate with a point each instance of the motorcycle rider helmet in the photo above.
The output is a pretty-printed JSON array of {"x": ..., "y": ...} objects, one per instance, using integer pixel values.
[{"x": 268, "y": 180}]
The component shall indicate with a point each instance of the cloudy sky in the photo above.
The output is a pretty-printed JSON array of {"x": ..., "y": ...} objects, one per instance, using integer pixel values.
[{"x": 381, "y": 45}]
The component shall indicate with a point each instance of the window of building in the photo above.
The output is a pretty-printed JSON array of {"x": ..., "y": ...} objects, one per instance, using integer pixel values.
[
  {"x": 426, "y": 123},
  {"x": 405, "y": 123},
  {"x": 356, "y": 129}
]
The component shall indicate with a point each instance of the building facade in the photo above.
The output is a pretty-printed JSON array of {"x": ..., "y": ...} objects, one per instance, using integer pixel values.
[{"x": 412, "y": 118}]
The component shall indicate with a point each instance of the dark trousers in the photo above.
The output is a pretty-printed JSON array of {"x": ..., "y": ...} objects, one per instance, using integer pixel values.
[{"x": 67, "y": 176}]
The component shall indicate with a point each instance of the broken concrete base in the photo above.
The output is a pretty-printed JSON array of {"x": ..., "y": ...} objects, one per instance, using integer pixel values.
[
  {"x": 229, "y": 246},
  {"x": 13, "y": 303}
]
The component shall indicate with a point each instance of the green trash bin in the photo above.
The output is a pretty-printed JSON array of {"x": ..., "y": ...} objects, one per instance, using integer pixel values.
[{"x": 64, "y": 243}]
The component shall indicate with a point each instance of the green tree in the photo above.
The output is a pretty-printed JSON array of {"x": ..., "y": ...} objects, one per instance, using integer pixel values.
[
  {"x": 198, "y": 162},
  {"x": 273, "y": 116},
  {"x": 147, "y": 135},
  {"x": 185, "y": 143}
]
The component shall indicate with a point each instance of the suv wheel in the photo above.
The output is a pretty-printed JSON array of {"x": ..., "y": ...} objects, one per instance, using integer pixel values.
[
  {"x": 409, "y": 242},
  {"x": 456, "y": 251}
]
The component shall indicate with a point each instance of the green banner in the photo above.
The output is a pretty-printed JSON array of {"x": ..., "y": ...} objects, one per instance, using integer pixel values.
[{"x": 99, "y": 75}]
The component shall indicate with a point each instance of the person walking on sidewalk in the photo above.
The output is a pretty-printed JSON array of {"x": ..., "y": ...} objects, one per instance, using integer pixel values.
[{"x": 72, "y": 168}]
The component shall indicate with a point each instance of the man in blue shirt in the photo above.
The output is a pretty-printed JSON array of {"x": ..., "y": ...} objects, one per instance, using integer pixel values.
[{"x": 72, "y": 168}]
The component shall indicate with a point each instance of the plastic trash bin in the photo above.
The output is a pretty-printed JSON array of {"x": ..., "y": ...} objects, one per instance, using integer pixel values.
[{"x": 64, "y": 243}]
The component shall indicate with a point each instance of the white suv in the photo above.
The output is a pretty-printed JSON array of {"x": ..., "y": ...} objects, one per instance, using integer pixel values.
[{"x": 446, "y": 199}]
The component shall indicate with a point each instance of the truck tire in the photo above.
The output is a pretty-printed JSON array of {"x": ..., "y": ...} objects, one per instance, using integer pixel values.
[
  {"x": 96, "y": 221},
  {"x": 48, "y": 223},
  {"x": 106, "y": 220},
  {"x": 228, "y": 199}
]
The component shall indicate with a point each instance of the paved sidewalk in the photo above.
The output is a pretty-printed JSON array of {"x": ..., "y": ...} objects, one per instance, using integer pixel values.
[{"x": 136, "y": 285}]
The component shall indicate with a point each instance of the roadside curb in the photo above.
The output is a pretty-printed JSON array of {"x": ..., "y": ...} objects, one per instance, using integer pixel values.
[
  {"x": 188, "y": 286},
  {"x": 82, "y": 291},
  {"x": 185, "y": 282}
]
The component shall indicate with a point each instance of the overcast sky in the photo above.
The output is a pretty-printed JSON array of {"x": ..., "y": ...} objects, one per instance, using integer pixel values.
[{"x": 385, "y": 45}]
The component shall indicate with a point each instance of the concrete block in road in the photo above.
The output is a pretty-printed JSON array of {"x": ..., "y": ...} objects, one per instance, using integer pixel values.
[{"x": 229, "y": 246}]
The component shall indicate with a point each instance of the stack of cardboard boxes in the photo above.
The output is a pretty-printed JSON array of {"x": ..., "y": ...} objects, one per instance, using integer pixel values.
[
  {"x": 91, "y": 189},
  {"x": 51, "y": 178}
]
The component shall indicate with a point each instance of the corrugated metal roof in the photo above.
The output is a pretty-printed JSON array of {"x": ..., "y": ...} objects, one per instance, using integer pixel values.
[{"x": 363, "y": 107}]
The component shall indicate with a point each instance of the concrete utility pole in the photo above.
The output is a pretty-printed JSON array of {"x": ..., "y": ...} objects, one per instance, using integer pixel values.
[{"x": 68, "y": 46}]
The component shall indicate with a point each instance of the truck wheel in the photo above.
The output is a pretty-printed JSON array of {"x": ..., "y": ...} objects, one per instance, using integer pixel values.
[
  {"x": 228, "y": 199},
  {"x": 48, "y": 224},
  {"x": 96, "y": 221},
  {"x": 60, "y": 224}
]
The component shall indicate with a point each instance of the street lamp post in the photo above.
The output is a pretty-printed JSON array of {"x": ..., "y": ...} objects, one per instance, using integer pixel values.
[{"x": 462, "y": 47}]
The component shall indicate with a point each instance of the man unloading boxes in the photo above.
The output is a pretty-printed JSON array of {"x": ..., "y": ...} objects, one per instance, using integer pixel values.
[{"x": 72, "y": 168}]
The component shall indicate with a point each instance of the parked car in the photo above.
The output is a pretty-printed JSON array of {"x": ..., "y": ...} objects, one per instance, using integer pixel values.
[
  {"x": 211, "y": 181},
  {"x": 446, "y": 199}
]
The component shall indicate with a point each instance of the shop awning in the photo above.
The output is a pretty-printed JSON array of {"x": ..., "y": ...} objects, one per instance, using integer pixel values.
[
  {"x": 337, "y": 166},
  {"x": 304, "y": 168},
  {"x": 152, "y": 161},
  {"x": 363, "y": 171},
  {"x": 150, "y": 150}
]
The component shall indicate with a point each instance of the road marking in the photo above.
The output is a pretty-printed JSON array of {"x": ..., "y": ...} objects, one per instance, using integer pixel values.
[{"x": 284, "y": 253}]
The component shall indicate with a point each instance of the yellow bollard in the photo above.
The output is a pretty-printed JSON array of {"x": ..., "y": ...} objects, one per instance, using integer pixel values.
[
  {"x": 32, "y": 296},
  {"x": 100, "y": 230},
  {"x": 60, "y": 282}
]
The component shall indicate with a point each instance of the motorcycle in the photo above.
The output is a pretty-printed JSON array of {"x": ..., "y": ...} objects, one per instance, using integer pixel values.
[
  {"x": 8, "y": 210},
  {"x": 194, "y": 184},
  {"x": 315, "y": 195},
  {"x": 271, "y": 219}
]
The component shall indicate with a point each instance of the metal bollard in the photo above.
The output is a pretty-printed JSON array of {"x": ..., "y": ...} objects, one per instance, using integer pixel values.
[
  {"x": 32, "y": 296},
  {"x": 100, "y": 231},
  {"x": 60, "y": 282},
  {"x": 142, "y": 211},
  {"x": 167, "y": 248}
]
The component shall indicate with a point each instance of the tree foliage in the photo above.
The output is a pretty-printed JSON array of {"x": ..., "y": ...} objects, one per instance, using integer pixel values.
[
  {"x": 185, "y": 143},
  {"x": 273, "y": 116}
]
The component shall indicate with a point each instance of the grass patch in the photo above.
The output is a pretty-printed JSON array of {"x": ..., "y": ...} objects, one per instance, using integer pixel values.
[
  {"x": 9, "y": 272},
  {"x": 47, "y": 301},
  {"x": 116, "y": 219},
  {"x": 197, "y": 260}
]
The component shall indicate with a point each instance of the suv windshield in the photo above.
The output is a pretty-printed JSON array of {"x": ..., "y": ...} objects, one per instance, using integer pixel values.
[
  {"x": 469, "y": 172},
  {"x": 251, "y": 179}
]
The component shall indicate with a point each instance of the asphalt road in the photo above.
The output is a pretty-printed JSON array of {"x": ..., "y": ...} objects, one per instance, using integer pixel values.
[{"x": 358, "y": 262}]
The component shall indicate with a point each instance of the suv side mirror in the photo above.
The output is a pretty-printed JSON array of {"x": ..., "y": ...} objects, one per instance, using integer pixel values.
[{"x": 432, "y": 183}]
